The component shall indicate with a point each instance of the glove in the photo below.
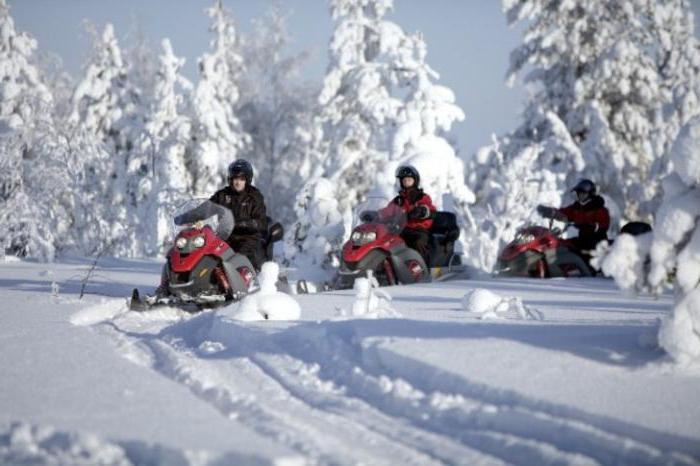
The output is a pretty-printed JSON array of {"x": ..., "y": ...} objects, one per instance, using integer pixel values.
[
  {"x": 551, "y": 212},
  {"x": 546, "y": 212},
  {"x": 368, "y": 216},
  {"x": 419, "y": 213}
]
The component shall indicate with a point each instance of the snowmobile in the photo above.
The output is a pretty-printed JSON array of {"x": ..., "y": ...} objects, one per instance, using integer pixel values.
[
  {"x": 541, "y": 252},
  {"x": 202, "y": 270},
  {"x": 375, "y": 246}
]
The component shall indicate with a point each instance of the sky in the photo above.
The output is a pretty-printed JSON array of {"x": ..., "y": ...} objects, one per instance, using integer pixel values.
[{"x": 469, "y": 43}]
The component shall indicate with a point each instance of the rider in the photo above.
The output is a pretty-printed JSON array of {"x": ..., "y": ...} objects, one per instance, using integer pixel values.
[
  {"x": 418, "y": 207},
  {"x": 588, "y": 213},
  {"x": 247, "y": 204}
]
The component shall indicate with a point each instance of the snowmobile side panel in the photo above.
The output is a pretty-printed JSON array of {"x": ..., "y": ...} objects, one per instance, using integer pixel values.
[
  {"x": 232, "y": 264},
  {"x": 400, "y": 260},
  {"x": 571, "y": 264},
  {"x": 520, "y": 265}
]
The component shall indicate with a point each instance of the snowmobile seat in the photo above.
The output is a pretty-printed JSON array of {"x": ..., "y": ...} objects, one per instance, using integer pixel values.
[
  {"x": 444, "y": 229},
  {"x": 636, "y": 228},
  {"x": 443, "y": 235}
]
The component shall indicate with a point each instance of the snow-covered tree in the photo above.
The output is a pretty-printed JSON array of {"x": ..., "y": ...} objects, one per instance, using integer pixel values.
[
  {"x": 142, "y": 60},
  {"x": 276, "y": 109},
  {"x": 22, "y": 90},
  {"x": 165, "y": 139},
  {"x": 108, "y": 105},
  {"x": 610, "y": 81},
  {"x": 670, "y": 256},
  {"x": 23, "y": 227},
  {"x": 513, "y": 175},
  {"x": 427, "y": 113},
  {"x": 24, "y": 99},
  {"x": 314, "y": 239},
  {"x": 358, "y": 111},
  {"x": 218, "y": 137},
  {"x": 607, "y": 69}
]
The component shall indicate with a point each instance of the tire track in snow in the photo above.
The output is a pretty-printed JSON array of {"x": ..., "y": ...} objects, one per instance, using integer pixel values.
[
  {"x": 325, "y": 372},
  {"x": 270, "y": 409},
  {"x": 471, "y": 412}
]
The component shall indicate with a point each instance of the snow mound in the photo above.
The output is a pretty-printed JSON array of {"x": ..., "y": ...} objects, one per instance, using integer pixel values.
[
  {"x": 370, "y": 302},
  {"x": 268, "y": 303},
  {"x": 24, "y": 444},
  {"x": 106, "y": 310},
  {"x": 489, "y": 305}
]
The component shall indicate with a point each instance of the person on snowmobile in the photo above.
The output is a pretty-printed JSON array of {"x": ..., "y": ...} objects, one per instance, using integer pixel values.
[
  {"x": 247, "y": 204},
  {"x": 588, "y": 213},
  {"x": 418, "y": 207}
]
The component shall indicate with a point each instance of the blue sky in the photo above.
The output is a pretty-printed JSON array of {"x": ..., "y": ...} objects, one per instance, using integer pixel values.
[{"x": 468, "y": 42}]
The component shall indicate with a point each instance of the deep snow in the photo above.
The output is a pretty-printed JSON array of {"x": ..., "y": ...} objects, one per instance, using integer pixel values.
[{"x": 577, "y": 379}]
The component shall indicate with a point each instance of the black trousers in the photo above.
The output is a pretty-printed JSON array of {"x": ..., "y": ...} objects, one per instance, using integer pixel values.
[
  {"x": 585, "y": 244},
  {"x": 249, "y": 246},
  {"x": 418, "y": 240}
]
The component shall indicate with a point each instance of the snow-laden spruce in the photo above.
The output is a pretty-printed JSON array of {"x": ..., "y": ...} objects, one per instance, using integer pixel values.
[
  {"x": 358, "y": 114},
  {"x": 108, "y": 105},
  {"x": 610, "y": 72},
  {"x": 381, "y": 108},
  {"x": 670, "y": 256},
  {"x": 426, "y": 115},
  {"x": 166, "y": 135},
  {"x": 276, "y": 110},
  {"x": 48, "y": 168},
  {"x": 22, "y": 90},
  {"x": 513, "y": 175},
  {"x": 611, "y": 84},
  {"x": 218, "y": 136},
  {"x": 313, "y": 241}
]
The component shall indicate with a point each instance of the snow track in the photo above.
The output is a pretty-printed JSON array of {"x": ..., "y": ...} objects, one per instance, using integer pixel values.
[{"x": 335, "y": 395}]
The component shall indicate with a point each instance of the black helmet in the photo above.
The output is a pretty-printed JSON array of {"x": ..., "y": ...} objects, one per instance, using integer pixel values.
[
  {"x": 241, "y": 166},
  {"x": 406, "y": 171},
  {"x": 585, "y": 186}
]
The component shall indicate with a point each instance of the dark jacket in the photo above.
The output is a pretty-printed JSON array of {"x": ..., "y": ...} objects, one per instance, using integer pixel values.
[
  {"x": 592, "y": 220},
  {"x": 248, "y": 209}
]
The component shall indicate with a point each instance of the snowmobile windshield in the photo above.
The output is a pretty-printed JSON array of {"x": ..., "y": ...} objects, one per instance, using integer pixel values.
[
  {"x": 218, "y": 217},
  {"x": 380, "y": 210}
]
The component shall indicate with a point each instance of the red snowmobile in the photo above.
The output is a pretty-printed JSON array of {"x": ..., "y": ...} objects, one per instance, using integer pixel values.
[
  {"x": 202, "y": 270},
  {"x": 375, "y": 245},
  {"x": 541, "y": 252}
]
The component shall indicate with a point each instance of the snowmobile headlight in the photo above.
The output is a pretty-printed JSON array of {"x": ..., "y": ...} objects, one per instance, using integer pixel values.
[
  {"x": 360, "y": 238},
  {"x": 525, "y": 238},
  {"x": 181, "y": 243},
  {"x": 198, "y": 241}
]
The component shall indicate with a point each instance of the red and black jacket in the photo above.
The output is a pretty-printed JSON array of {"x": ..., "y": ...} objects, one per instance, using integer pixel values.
[
  {"x": 407, "y": 200},
  {"x": 591, "y": 218}
]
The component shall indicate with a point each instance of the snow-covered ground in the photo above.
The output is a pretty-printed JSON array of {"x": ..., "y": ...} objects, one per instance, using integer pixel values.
[{"x": 567, "y": 373}]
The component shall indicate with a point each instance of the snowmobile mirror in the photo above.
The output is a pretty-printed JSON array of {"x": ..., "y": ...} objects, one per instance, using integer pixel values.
[{"x": 276, "y": 232}]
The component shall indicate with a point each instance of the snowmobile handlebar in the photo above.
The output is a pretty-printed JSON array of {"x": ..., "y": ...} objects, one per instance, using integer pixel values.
[{"x": 206, "y": 210}]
